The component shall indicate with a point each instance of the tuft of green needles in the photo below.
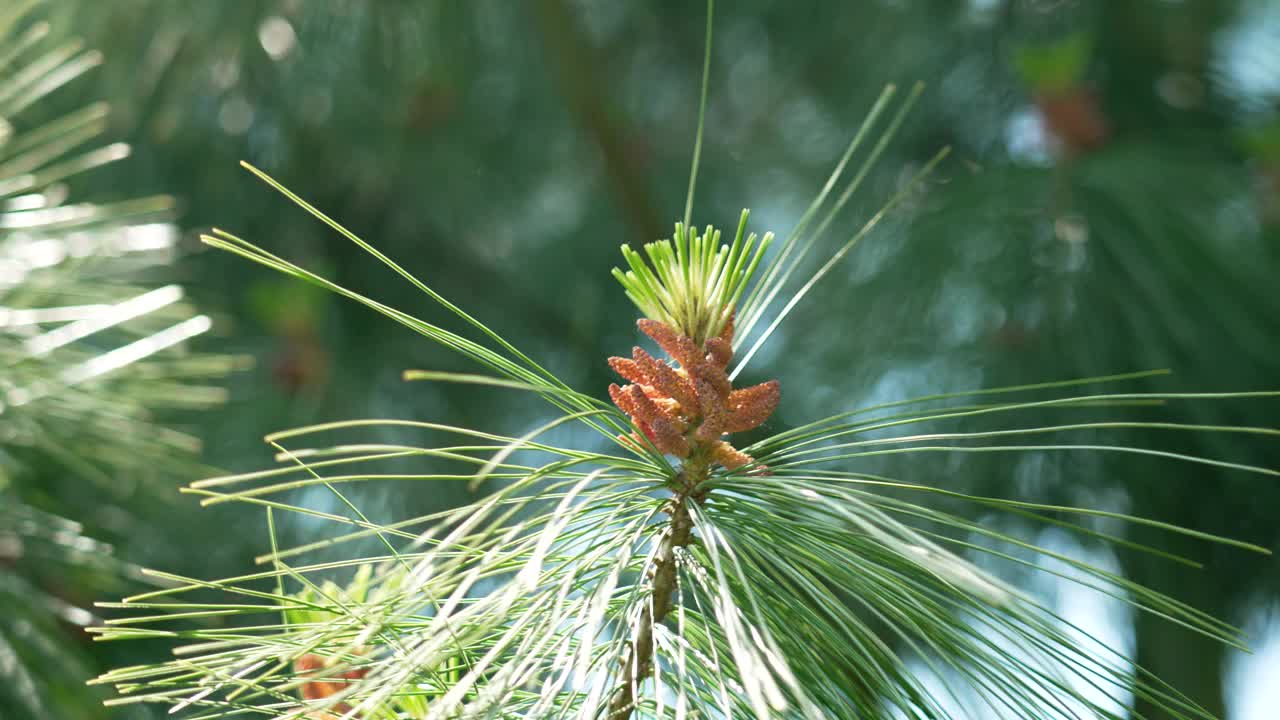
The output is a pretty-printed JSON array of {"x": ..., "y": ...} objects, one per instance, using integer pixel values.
[{"x": 693, "y": 282}]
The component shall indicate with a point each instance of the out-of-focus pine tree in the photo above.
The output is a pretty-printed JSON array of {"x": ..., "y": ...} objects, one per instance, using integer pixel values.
[{"x": 93, "y": 346}]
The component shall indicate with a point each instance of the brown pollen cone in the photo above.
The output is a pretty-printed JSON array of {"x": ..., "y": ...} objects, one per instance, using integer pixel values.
[
  {"x": 688, "y": 409},
  {"x": 326, "y": 685}
]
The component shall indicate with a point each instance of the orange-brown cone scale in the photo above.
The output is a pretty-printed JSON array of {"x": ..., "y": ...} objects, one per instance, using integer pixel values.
[
  {"x": 682, "y": 349},
  {"x": 689, "y": 408}
]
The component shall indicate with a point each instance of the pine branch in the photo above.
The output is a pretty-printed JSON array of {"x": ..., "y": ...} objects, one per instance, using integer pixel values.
[
  {"x": 95, "y": 365},
  {"x": 638, "y": 665},
  {"x": 819, "y": 584}
]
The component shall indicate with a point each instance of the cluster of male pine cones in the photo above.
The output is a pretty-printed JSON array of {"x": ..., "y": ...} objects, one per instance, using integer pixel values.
[
  {"x": 687, "y": 410},
  {"x": 322, "y": 685}
]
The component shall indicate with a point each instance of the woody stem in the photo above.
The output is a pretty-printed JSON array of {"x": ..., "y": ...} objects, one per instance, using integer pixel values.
[{"x": 638, "y": 664}]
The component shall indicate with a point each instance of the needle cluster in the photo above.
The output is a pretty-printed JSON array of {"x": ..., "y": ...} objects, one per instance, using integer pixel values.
[{"x": 692, "y": 282}]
